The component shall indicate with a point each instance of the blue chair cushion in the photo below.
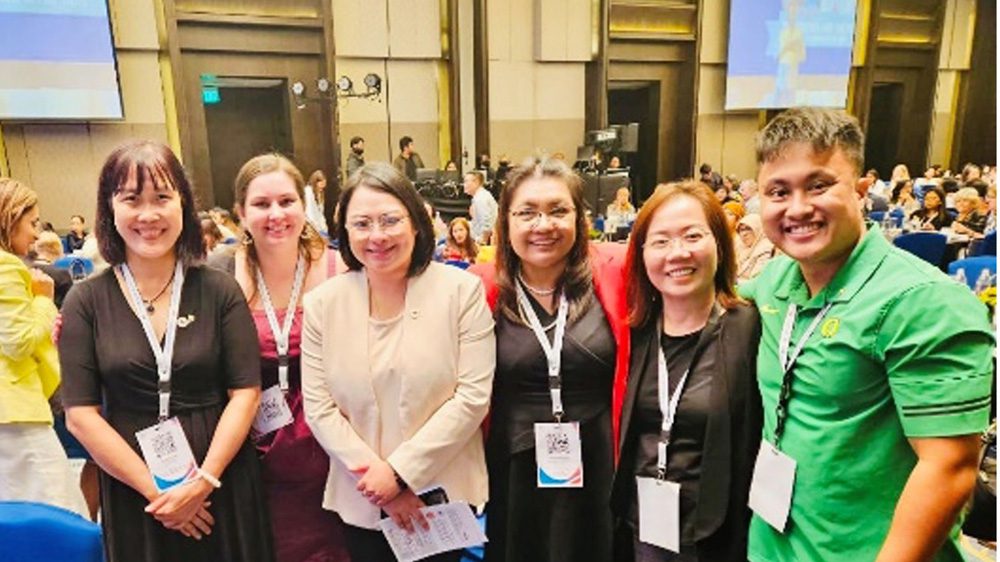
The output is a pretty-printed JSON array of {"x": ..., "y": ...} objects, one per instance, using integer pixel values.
[
  {"x": 928, "y": 246},
  {"x": 973, "y": 268},
  {"x": 33, "y": 532}
]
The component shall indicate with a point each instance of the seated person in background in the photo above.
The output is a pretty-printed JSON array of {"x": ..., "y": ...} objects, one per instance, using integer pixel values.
[
  {"x": 224, "y": 220},
  {"x": 77, "y": 234},
  {"x": 753, "y": 249},
  {"x": 620, "y": 212},
  {"x": 902, "y": 197},
  {"x": 932, "y": 216},
  {"x": 615, "y": 163},
  {"x": 969, "y": 220},
  {"x": 212, "y": 237},
  {"x": 991, "y": 209},
  {"x": 734, "y": 211},
  {"x": 877, "y": 186},
  {"x": 48, "y": 249},
  {"x": 451, "y": 166},
  {"x": 459, "y": 244}
]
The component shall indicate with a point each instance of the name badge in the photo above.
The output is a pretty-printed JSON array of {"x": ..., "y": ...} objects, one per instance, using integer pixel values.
[
  {"x": 659, "y": 512},
  {"x": 557, "y": 453},
  {"x": 168, "y": 454},
  {"x": 273, "y": 413},
  {"x": 771, "y": 488}
]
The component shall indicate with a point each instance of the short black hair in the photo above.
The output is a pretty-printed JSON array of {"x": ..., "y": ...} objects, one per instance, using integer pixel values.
[
  {"x": 356, "y": 140},
  {"x": 147, "y": 161},
  {"x": 404, "y": 142},
  {"x": 71, "y": 217},
  {"x": 384, "y": 178},
  {"x": 705, "y": 168}
]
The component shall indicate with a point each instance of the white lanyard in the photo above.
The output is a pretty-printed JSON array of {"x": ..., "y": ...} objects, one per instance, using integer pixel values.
[
  {"x": 786, "y": 335},
  {"x": 553, "y": 351},
  {"x": 787, "y": 362},
  {"x": 164, "y": 356},
  {"x": 668, "y": 405},
  {"x": 281, "y": 333}
]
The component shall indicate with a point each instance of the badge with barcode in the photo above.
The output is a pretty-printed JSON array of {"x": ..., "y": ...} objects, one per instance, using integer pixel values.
[
  {"x": 557, "y": 453},
  {"x": 273, "y": 413},
  {"x": 168, "y": 454}
]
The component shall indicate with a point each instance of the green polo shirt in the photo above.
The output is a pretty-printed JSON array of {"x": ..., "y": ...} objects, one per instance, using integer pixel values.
[{"x": 903, "y": 352}]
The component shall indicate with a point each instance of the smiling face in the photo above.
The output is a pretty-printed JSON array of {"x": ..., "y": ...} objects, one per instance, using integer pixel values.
[
  {"x": 382, "y": 250},
  {"x": 810, "y": 206},
  {"x": 680, "y": 254},
  {"x": 459, "y": 233},
  {"x": 273, "y": 212},
  {"x": 545, "y": 241},
  {"x": 932, "y": 201},
  {"x": 25, "y": 232},
  {"x": 149, "y": 218}
]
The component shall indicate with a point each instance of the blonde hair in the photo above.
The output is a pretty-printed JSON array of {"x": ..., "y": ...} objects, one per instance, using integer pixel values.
[
  {"x": 49, "y": 245},
  {"x": 16, "y": 199},
  {"x": 967, "y": 194}
]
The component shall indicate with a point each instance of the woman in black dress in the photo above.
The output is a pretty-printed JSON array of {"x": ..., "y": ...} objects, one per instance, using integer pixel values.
[
  {"x": 544, "y": 258},
  {"x": 114, "y": 385},
  {"x": 692, "y": 414}
]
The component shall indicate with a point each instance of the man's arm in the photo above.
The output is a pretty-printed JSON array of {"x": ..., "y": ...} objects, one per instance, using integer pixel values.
[{"x": 934, "y": 494}]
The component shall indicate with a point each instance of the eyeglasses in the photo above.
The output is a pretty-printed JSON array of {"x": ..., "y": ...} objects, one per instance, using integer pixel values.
[
  {"x": 531, "y": 218},
  {"x": 690, "y": 240},
  {"x": 388, "y": 224}
]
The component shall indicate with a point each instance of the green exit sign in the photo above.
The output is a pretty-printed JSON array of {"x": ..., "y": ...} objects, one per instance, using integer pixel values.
[{"x": 210, "y": 95}]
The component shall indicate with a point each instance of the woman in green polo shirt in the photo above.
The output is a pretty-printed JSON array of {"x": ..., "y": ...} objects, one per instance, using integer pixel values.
[{"x": 691, "y": 421}]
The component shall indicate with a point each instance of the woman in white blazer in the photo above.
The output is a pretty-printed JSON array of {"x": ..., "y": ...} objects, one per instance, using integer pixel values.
[{"x": 397, "y": 366}]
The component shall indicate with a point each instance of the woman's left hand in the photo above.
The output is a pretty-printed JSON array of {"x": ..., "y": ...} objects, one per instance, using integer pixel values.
[
  {"x": 178, "y": 506},
  {"x": 378, "y": 483}
]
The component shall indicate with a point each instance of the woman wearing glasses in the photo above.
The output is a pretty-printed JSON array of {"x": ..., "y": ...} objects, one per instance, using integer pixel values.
[
  {"x": 398, "y": 359},
  {"x": 691, "y": 421},
  {"x": 562, "y": 352}
]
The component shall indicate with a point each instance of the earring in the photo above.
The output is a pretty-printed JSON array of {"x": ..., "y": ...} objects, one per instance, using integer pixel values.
[{"x": 247, "y": 239}]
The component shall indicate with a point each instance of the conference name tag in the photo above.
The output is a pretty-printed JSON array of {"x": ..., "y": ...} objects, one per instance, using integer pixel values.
[
  {"x": 771, "y": 488},
  {"x": 558, "y": 455},
  {"x": 168, "y": 454},
  {"x": 273, "y": 413},
  {"x": 659, "y": 512}
]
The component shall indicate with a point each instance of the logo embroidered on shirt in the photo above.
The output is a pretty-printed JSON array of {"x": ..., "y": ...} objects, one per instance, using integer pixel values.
[
  {"x": 830, "y": 327},
  {"x": 768, "y": 309}
]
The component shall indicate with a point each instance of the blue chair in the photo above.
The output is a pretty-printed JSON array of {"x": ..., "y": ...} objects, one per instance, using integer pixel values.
[
  {"x": 461, "y": 264},
  {"x": 79, "y": 268},
  {"x": 876, "y": 216},
  {"x": 928, "y": 246},
  {"x": 985, "y": 247},
  {"x": 973, "y": 268},
  {"x": 32, "y": 532},
  {"x": 898, "y": 215}
]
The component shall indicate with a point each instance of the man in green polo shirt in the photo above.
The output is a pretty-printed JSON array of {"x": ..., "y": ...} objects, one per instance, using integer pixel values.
[{"x": 884, "y": 399}]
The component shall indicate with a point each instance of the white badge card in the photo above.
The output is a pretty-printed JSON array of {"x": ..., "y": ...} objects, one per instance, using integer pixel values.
[
  {"x": 558, "y": 455},
  {"x": 273, "y": 413},
  {"x": 168, "y": 454},
  {"x": 659, "y": 512},
  {"x": 771, "y": 488}
]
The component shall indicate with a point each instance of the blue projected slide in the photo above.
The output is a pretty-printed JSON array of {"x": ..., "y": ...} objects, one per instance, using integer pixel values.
[
  {"x": 57, "y": 60},
  {"x": 786, "y": 53}
]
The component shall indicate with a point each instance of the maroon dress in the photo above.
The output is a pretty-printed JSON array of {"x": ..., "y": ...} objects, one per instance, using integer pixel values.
[{"x": 293, "y": 465}]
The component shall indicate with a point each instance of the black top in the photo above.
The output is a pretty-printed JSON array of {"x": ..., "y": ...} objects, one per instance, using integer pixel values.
[
  {"x": 975, "y": 222},
  {"x": 216, "y": 351},
  {"x": 521, "y": 384},
  {"x": 718, "y": 426},
  {"x": 942, "y": 220},
  {"x": 74, "y": 242},
  {"x": 688, "y": 433}
]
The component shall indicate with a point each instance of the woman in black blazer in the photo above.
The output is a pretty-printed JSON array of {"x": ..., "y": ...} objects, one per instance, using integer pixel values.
[{"x": 684, "y": 309}]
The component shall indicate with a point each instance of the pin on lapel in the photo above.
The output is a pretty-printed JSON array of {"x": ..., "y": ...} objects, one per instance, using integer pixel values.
[{"x": 185, "y": 321}]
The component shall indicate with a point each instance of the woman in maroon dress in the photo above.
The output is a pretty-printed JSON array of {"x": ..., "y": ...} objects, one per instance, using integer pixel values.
[{"x": 282, "y": 257}]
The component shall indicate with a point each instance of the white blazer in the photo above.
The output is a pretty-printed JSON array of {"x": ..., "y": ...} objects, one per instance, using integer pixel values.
[{"x": 447, "y": 354}]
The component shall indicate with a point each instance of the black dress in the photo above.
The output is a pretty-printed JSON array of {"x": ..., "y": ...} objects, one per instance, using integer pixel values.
[
  {"x": 525, "y": 523},
  {"x": 106, "y": 360}
]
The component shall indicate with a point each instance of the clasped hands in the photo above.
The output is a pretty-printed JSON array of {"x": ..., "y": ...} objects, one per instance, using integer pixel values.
[
  {"x": 378, "y": 485},
  {"x": 185, "y": 509}
]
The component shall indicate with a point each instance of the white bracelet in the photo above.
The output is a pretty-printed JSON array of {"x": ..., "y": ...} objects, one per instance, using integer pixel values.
[{"x": 215, "y": 483}]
